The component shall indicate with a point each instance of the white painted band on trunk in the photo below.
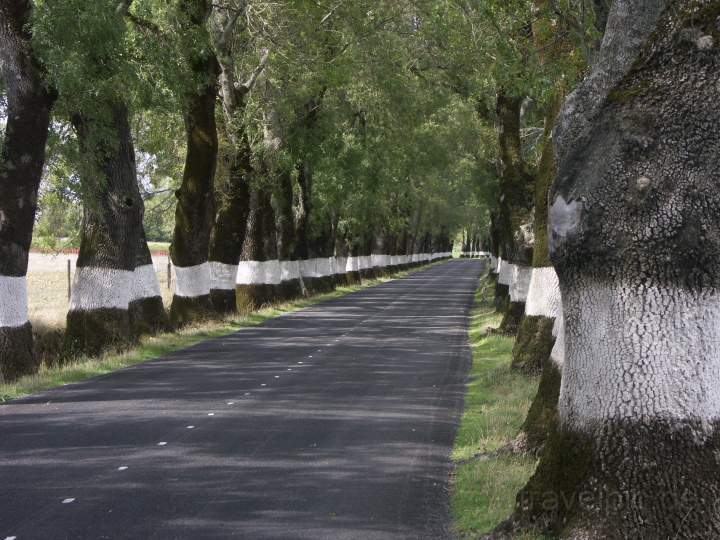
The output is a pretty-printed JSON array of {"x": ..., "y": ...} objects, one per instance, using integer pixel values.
[
  {"x": 325, "y": 266},
  {"x": 101, "y": 288},
  {"x": 13, "y": 301},
  {"x": 289, "y": 270},
  {"x": 379, "y": 261},
  {"x": 637, "y": 350},
  {"x": 505, "y": 273},
  {"x": 365, "y": 262},
  {"x": 340, "y": 263},
  {"x": 544, "y": 298},
  {"x": 520, "y": 283},
  {"x": 192, "y": 281},
  {"x": 352, "y": 264},
  {"x": 223, "y": 276},
  {"x": 250, "y": 273},
  {"x": 308, "y": 268},
  {"x": 273, "y": 272},
  {"x": 145, "y": 283},
  {"x": 494, "y": 261}
]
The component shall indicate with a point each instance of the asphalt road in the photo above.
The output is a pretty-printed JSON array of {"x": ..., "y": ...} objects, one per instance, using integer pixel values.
[{"x": 335, "y": 422}]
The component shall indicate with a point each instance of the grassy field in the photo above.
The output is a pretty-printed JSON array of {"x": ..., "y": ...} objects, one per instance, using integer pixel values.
[
  {"x": 497, "y": 400},
  {"x": 49, "y": 336}
]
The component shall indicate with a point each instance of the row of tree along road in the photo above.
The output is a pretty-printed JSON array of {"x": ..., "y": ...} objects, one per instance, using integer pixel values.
[
  {"x": 287, "y": 185},
  {"x": 606, "y": 264}
]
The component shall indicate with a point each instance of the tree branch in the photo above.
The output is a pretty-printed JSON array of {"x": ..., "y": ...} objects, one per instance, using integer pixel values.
[
  {"x": 123, "y": 10},
  {"x": 250, "y": 83}
]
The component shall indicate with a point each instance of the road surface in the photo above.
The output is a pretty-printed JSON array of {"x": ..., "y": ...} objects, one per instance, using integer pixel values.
[{"x": 335, "y": 422}]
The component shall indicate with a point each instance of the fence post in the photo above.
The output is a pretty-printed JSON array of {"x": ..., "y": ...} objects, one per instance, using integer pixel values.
[
  {"x": 69, "y": 278},
  {"x": 169, "y": 274}
]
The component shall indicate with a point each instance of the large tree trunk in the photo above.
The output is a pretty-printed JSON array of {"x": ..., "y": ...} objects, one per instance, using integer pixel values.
[
  {"x": 635, "y": 239},
  {"x": 103, "y": 284},
  {"x": 22, "y": 156},
  {"x": 516, "y": 212},
  {"x": 195, "y": 214}
]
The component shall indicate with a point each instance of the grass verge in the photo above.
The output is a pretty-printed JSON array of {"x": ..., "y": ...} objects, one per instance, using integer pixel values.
[
  {"x": 151, "y": 347},
  {"x": 497, "y": 400}
]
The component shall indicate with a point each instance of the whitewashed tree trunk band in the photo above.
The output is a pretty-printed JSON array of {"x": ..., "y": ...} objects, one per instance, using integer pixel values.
[
  {"x": 101, "y": 288},
  {"x": 519, "y": 282},
  {"x": 222, "y": 276},
  {"x": 145, "y": 283},
  {"x": 13, "y": 299},
  {"x": 193, "y": 281},
  {"x": 610, "y": 326},
  {"x": 544, "y": 298},
  {"x": 275, "y": 272}
]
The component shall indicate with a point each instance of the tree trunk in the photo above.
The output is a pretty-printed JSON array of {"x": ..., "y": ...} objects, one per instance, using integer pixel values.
[
  {"x": 22, "y": 156},
  {"x": 228, "y": 234},
  {"x": 147, "y": 312},
  {"x": 195, "y": 214},
  {"x": 103, "y": 284},
  {"x": 290, "y": 286},
  {"x": 516, "y": 212},
  {"x": 635, "y": 241},
  {"x": 378, "y": 255},
  {"x": 258, "y": 273},
  {"x": 535, "y": 340}
]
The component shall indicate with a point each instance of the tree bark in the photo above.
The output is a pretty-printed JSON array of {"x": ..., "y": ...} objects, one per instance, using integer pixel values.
[
  {"x": 195, "y": 214},
  {"x": 22, "y": 156},
  {"x": 103, "y": 285},
  {"x": 635, "y": 241}
]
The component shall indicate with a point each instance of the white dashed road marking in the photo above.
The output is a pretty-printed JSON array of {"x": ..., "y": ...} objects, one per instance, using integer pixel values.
[
  {"x": 211, "y": 414},
  {"x": 162, "y": 443},
  {"x": 68, "y": 501},
  {"x": 190, "y": 427},
  {"x": 122, "y": 468}
]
